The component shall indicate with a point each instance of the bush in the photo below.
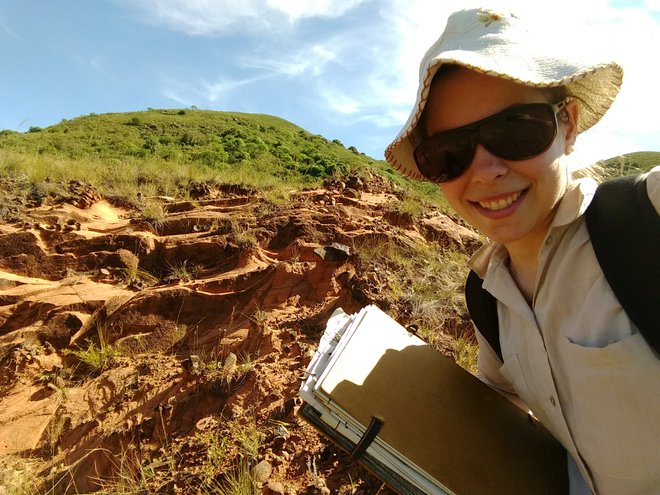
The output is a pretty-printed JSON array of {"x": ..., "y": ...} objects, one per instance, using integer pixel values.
[{"x": 192, "y": 138}]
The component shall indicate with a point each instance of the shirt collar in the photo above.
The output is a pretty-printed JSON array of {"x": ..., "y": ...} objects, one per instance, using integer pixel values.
[{"x": 572, "y": 205}]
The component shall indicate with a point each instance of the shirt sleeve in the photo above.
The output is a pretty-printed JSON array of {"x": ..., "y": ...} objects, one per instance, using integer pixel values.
[{"x": 653, "y": 187}]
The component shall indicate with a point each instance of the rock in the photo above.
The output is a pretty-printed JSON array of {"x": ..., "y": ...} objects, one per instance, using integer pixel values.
[
  {"x": 355, "y": 183},
  {"x": 230, "y": 363},
  {"x": 128, "y": 260},
  {"x": 318, "y": 488},
  {"x": 274, "y": 488},
  {"x": 334, "y": 252},
  {"x": 262, "y": 471},
  {"x": 192, "y": 365},
  {"x": 349, "y": 192},
  {"x": 207, "y": 423}
]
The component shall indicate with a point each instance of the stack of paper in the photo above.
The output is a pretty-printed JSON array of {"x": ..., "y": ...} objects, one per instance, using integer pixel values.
[{"x": 442, "y": 431}]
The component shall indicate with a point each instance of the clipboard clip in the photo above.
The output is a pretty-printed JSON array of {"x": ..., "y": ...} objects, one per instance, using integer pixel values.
[{"x": 369, "y": 435}]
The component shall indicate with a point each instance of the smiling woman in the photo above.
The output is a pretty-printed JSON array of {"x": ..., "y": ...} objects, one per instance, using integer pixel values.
[{"x": 499, "y": 108}]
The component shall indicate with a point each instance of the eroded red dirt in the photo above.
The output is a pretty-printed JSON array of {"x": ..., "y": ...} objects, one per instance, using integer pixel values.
[{"x": 209, "y": 317}]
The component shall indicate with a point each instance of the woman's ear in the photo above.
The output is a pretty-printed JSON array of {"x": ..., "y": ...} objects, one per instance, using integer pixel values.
[{"x": 569, "y": 125}]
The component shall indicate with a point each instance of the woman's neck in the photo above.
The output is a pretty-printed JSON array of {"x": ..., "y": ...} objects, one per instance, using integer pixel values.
[{"x": 523, "y": 256}]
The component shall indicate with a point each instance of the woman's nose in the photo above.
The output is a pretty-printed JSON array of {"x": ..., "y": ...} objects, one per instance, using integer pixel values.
[{"x": 485, "y": 166}]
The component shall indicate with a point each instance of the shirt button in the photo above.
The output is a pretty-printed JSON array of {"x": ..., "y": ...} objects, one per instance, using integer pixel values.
[
  {"x": 552, "y": 400},
  {"x": 548, "y": 240}
]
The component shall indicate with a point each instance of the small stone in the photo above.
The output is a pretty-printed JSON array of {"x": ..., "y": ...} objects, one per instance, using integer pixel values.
[
  {"x": 333, "y": 252},
  {"x": 281, "y": 431},
  {"x": 274, "y": 488},
  {"x": 192, "y": 365},
  {"x": 230, "y": 362},
  {"x": 59, "y": 382},
  {"x": 355, "y": 182},
  {"x": 207, "y": 423},
  {"x": 351, "y": 193},
  {"x": 262, "y": 471}
]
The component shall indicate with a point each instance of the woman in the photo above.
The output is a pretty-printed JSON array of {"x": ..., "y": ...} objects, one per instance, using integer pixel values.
[{"x": 496, "y": 114}]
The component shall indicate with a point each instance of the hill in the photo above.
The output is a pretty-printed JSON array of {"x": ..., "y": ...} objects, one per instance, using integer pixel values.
[
  {"x": 135, "y": 155},
  {"x": 215, "y": 139},
  {"x": 632, "y": 163}
]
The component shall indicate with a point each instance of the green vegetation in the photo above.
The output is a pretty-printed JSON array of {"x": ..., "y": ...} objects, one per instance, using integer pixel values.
[
  {"x": 96, "y": 358},
  {"x": 166, "y": 148},
  {"x": 135, "y": 156},
  {"x": 632, "y": 163},
  {"x": 423, "y": 280}
]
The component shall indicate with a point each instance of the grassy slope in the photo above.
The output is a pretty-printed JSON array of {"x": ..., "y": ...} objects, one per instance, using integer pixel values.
[
  {"x": 632, "y": 163},
  {"x": 162, "y": 151}
]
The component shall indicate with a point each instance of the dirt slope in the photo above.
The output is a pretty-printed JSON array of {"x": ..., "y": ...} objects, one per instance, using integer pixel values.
[{"x": 201, "y": 324}]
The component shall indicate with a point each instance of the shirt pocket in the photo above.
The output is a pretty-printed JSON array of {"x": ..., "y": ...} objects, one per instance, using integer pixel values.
[{"x": 614, "y": 405}]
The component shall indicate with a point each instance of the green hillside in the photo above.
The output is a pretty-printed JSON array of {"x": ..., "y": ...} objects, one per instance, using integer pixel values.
[
  {"x": 219, "y": 140},
  {"x": 632, "y": 163}
]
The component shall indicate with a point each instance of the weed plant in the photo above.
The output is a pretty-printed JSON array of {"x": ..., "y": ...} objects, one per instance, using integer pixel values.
[{"x": 97, "y": 358}]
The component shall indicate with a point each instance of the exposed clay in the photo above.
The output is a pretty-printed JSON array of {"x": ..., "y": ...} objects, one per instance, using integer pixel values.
[{"x": 226, "y": 276}]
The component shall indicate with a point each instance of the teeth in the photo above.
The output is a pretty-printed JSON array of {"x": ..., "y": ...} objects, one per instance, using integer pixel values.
[{"x": 500, "y": 203}]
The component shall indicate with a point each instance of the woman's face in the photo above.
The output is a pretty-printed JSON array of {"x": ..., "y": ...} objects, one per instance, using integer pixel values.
[{"x": 508, "y": 201}]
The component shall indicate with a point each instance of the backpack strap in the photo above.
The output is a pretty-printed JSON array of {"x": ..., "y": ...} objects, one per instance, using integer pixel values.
[
  {"x": 625, "y": 233},
  {"x": 482, "y": 307}
]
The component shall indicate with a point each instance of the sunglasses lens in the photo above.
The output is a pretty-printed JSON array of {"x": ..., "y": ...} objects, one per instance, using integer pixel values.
[
  {"x": 519, "y": 133},
  {"x": 444, "y": 157}
]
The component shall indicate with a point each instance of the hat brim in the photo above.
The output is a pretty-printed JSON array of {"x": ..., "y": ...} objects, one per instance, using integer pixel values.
[{"x": 594, "y": 85}]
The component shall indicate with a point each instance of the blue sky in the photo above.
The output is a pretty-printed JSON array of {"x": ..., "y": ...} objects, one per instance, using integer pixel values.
[{"x": 346, "y": 69}]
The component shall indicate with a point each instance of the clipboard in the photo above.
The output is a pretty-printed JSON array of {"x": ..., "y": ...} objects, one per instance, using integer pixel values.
[{"x": 420, "y": 422}]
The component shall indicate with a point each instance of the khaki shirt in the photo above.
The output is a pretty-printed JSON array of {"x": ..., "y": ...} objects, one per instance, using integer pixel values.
[{"x": 574, "y": 357}]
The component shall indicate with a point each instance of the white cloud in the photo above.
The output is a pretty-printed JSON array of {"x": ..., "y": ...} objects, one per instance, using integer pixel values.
[
  {"x": 367, "y": 73},
  {"x": 210, "y": 17},
  {"x": 340, "y": 101},
  {"x": 203, "y": 92},
  {"x": 300, "y": 9},
  {"x": 202, "y": 17},
  {"x": 309, "y": 60},
  {"x": 652, "y": 5}
]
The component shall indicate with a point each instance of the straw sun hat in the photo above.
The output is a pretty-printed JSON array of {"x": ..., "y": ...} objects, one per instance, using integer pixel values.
[{"x": 505, "y": 46}]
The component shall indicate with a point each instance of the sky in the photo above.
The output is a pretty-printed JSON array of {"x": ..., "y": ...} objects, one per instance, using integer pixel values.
[{"x": 345, "y": 69}]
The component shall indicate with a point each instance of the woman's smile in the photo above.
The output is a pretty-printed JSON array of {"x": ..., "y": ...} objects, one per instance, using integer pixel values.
[{"x": 499, "y": 202}]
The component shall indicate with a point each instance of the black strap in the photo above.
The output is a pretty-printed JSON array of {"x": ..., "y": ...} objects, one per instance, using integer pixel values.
[
  {"x": 625, "y": 233},
  {"x": 482, "y": 307}
]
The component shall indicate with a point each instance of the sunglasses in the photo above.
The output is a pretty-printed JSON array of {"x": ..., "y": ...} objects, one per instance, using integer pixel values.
[{"x": 516, "y": 133}]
